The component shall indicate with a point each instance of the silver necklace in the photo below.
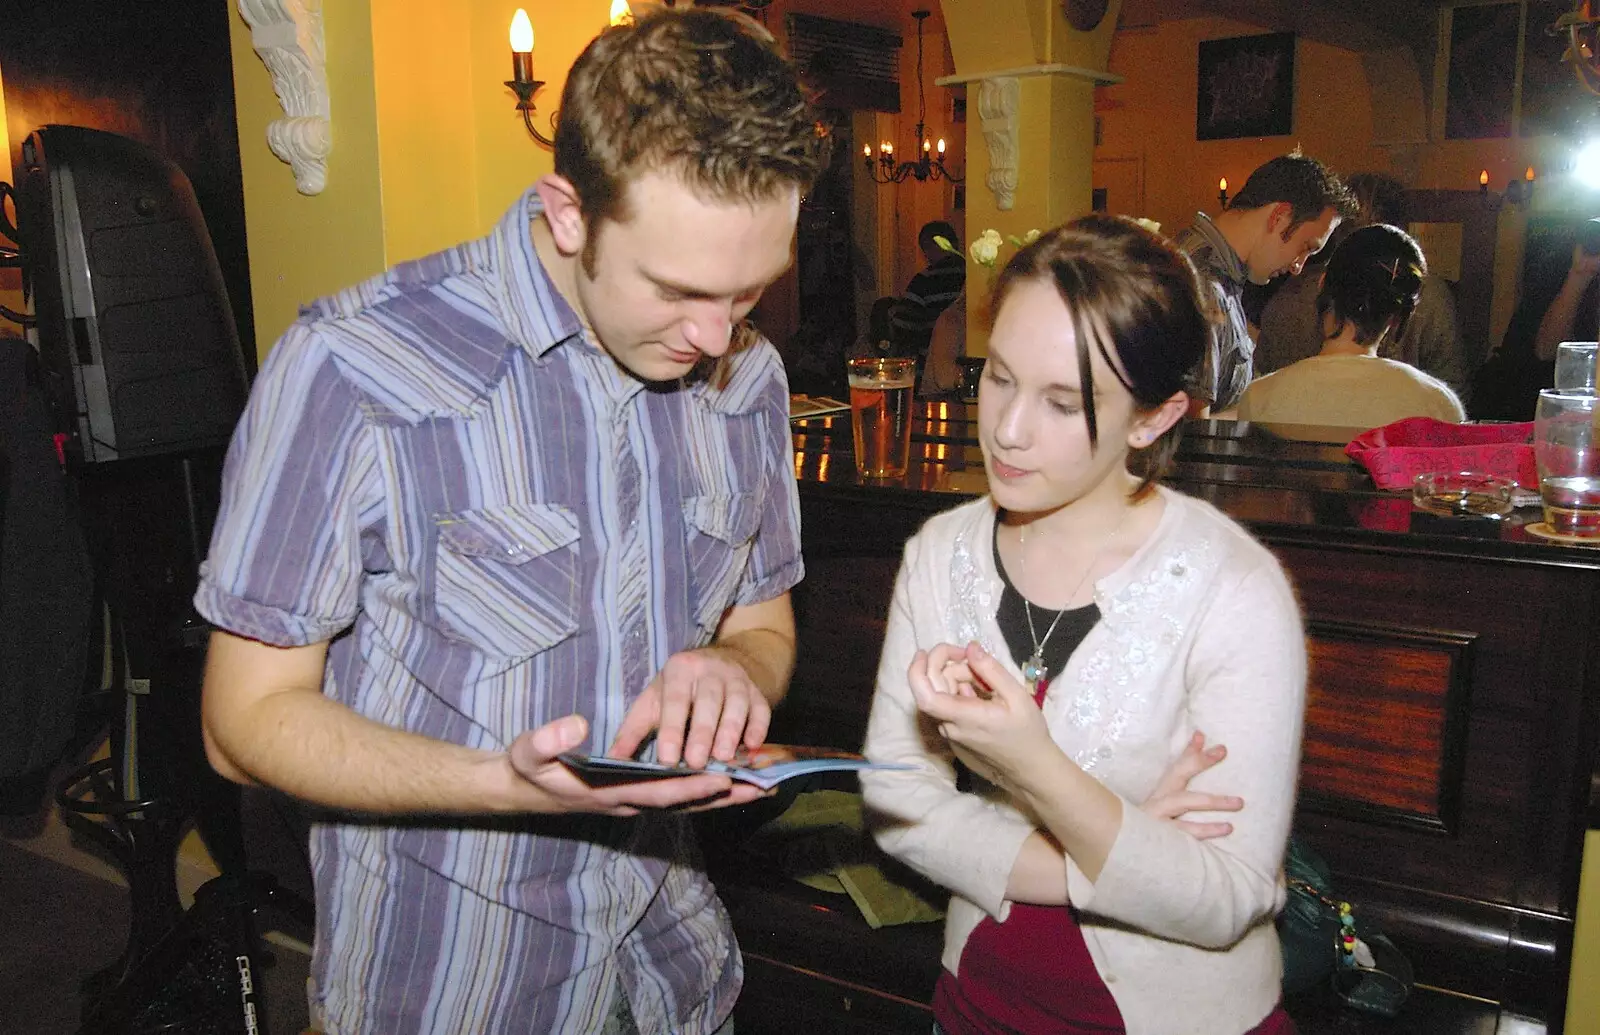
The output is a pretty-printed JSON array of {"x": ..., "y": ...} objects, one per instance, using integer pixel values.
[{"x": 1034, "y": 671}]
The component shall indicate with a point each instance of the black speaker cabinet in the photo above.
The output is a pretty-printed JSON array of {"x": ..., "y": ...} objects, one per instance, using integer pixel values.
[{"x": 135, "y": 329}]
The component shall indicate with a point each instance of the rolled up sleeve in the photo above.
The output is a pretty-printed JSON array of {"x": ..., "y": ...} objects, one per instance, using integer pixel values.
[{"x": 284, "y": 565}]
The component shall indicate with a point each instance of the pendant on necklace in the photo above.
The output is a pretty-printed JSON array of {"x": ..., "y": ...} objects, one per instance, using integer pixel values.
[{"x": 1033, "y": 670}]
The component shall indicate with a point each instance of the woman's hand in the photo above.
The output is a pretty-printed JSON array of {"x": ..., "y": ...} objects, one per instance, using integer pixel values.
[
  {"x": 989, "y": 718},
  {"x": 1172, "y": 798},
  {"x": 946, "y": 671}
]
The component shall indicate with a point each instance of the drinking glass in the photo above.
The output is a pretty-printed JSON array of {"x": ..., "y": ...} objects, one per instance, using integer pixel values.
[
  {"x": 880, "y": 414},
  {"x": 1575, "y": 365},
  {"x": 1567, "y": 451}
]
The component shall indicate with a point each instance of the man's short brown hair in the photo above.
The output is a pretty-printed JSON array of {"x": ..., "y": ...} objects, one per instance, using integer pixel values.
[
  {"x": 1305, "y": 184},
  {"x": 704, "y": 95}
]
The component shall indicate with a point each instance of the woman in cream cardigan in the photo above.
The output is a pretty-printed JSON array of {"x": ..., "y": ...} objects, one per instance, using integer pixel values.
[{"x": 1055, "y": 647}]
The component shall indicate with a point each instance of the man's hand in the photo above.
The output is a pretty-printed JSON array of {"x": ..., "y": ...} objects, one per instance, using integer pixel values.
[
  {"x": 552, "y": 787},
  {"x": 703, "y": 705},
  {"x": 1172, "y": 799}
]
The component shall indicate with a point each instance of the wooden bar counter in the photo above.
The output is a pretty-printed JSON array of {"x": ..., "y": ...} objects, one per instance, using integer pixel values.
[{"x": 1450, "y": 749}]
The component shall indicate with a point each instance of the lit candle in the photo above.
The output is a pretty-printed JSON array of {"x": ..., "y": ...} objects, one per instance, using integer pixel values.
[
  {"x": 887, "y": 148},
  {"x": 926, "y": 147},
  {"x": 1222, "y": 192},
  {"x": 941, "y": 145},
  {"x": 1483, "y": 182},
  {"x": 866, "y": 151},
  {"x": 521, "y": 47},
  {"x": 1528, "y": 175},
  {"x": 621, "y": 14}
]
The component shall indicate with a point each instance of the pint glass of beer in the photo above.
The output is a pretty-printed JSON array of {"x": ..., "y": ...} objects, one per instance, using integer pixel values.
[{"x": 880, "y": 414}]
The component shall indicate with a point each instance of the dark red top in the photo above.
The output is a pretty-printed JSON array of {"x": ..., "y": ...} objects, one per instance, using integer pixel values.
[{"x": 1033, "y": 975}]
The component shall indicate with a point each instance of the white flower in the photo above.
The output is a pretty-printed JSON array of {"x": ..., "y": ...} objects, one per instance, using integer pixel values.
[
  {"x": 1030, "y": 237},
  {"x": 1149, "y": 224},
  {"x": 986, "y": 249}
]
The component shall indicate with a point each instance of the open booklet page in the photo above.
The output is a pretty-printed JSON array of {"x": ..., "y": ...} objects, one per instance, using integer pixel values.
[{"x": 766, "y": 766}]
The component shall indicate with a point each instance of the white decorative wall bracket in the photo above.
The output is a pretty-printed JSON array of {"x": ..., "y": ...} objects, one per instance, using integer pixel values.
[
  {"x": 999, "y": 116},
  {"x": 287, "y": 36},
  {"x": 999, "y": 101}
]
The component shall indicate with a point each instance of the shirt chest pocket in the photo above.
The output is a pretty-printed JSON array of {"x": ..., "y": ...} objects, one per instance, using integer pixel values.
[
  {"x": 722, "y": 527},
  {"x": 506, "y": 578}
]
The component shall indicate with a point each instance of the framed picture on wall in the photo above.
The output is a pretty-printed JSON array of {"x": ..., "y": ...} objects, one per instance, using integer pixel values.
[
  {"x": 1246, "y": 87},
  {"x": 1483, "y": 71}
]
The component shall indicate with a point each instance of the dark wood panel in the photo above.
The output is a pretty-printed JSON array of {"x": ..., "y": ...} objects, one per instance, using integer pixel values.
[
  {"x": 1384, "y": 723},
  {"x": 840, "y": 616}
]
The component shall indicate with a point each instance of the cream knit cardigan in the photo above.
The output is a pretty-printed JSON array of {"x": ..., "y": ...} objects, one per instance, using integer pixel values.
[{"x": 1198, "y": 630}]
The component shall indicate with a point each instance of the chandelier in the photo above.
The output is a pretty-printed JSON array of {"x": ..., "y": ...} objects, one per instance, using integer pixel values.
[{"x": 928, "y": 165}]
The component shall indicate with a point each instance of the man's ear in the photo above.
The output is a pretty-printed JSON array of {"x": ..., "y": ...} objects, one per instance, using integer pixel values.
[
  {"x": 563, "y": 212},
  {"x": 1150, "y": 426},
  {"x": 1280, "y": 218}
]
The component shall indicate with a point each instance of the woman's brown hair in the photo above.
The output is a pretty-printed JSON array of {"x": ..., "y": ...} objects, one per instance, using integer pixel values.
[{"x": 1137, "y": 299}]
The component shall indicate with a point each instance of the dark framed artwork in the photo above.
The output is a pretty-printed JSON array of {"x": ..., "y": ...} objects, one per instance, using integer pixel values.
[
  {"x": 1246, "y": 87},
  {"x": 1483, "y": 71}
]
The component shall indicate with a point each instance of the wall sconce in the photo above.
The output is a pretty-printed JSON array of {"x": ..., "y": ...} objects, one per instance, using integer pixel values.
[
  {"x": 1520, "y": 192},
  {"x": 522, "y": 82},
  {"x": 1222, "y": 192}
]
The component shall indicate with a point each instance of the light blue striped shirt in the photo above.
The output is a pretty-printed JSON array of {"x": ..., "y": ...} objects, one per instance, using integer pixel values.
[{"x": 496, "y": 526}]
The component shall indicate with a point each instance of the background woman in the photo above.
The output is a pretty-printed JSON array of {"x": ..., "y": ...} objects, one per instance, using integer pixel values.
[
  {"x": 1368, "y": 292},
  {"x": 1066, "y": 638}
]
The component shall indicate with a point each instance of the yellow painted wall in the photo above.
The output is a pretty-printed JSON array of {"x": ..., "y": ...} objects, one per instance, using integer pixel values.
[
  {"x": 1150, "y": 119},
  {"x": 1583, "y": 989},
  {"x": 423, "y": 69},
  {"x": 428, "y": 147},
  {"x": 304, "y": 247}
]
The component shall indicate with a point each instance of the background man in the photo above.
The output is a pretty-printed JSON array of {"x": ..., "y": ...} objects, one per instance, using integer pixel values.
[
  {"x": 1291, "y": 329},
  {"x": 530, "y": 495},
  {"x": 1282, "y": 215},
  {"x": 930, "y": 291}
]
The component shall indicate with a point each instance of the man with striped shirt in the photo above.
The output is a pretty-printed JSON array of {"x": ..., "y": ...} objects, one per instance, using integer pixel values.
[
  {"x": 930, "y": 291},
  {"x": 530, "y": 495}
]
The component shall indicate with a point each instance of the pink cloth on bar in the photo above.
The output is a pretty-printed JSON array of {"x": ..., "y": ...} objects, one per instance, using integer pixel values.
[{"x": 1396, "y": 453}]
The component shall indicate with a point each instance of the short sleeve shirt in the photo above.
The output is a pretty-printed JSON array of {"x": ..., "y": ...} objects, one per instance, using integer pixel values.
[{"x": 495, "y": 525}]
